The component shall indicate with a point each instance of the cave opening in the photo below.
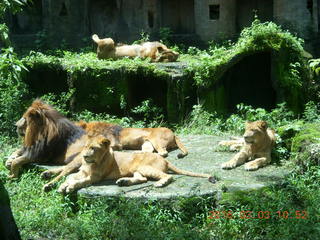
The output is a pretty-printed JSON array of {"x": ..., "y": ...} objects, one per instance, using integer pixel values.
[{"x": 250, "y": 82}]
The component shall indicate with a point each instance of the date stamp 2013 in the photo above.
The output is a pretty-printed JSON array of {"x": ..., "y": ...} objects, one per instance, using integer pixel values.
[{"x": 298, "y": 214}]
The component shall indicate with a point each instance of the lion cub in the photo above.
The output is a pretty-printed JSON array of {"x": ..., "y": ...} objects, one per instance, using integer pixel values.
[
  {"x": 256, "y": 145},
  {"x": 99, "y": 162}
]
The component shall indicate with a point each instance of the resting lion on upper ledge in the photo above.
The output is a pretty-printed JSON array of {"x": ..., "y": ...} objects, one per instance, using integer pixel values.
[
  {"x": 156, "y": 51},
  {"x": 100, "y": 162},
  {"x": 159, "y": 139},
  {"x": 258, "y": 141}
]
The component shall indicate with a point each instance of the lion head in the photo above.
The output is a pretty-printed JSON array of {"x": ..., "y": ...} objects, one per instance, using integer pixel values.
[
  {"x": 45, "y": 132},
  {"x": 166, "y": 55},
  {"x": 255, "y": 131},
  {"x": 108, "y": 130},
  {"x": 96, "y": 148}
]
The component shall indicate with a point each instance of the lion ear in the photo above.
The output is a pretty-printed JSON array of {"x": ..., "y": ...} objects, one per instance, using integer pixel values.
[
  {"x": 263, "y": 125},
  {"x": 105, "y": 141},
  {"x": 35, "y": 114},
  {"x": 247, "y": 123},
  {"x": 160, "y": 49}
]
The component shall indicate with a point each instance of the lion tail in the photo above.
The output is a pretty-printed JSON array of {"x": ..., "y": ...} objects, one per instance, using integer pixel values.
[
  {"x": 187, "y": 173},
  {"x": 95, "y": 38},
  {"x": 181, "y": 147}
]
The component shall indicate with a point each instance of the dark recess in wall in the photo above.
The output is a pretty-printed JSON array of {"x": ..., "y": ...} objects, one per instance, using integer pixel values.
[
  {"x": 250, "y": 82},
  {"x": 143, "y": 88},
  {"x": 45, "y": 80}
]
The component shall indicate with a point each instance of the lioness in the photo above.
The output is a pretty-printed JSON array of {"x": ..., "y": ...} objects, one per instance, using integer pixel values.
[
  {"x": 156, "y": 51},
  {"x": 257, "y": 145},
  {"x": 100, "y": 162},
  {"x": 145, "y": 139}
]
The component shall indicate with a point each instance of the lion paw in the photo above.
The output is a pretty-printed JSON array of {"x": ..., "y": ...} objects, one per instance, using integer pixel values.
[
  {"x": 70, "y": 189},
  {"x": 13, "y": 176},
  {"x": 46, "y": 174},
  {"x": 123, "y": 182},
  {"x": 66, "y": 188},
  {"x": 223, "y": 143},
  {"x": 47, "y": 187},
  {"x": 8, "y": 163},
  {"x": 163, "y": 154},
  {"x": 158, "y": 184},
  {"x": 251, "y": 167},
  {"x": 228, "y": 165},
  {"x": 181, "y": 155}
]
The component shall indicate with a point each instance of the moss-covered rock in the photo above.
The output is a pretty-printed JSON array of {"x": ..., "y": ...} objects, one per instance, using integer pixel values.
[
  {"x": 288, "y": 132},
  {"x": 288, "y": 71},
  {"x": 264, "y": 67},
  {"x": 306, "y": 146}
]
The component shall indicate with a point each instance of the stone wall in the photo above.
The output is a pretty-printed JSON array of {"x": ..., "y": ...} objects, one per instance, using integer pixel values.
[
  {"x": 72, "y": 22},
  {"x": 247, "y": 9},
  {"x": 123, "y": 20},
  {"x": 65, "y": 20},
  {"x": 294, "y": 15},
  {"x": 221, "y": 28}
]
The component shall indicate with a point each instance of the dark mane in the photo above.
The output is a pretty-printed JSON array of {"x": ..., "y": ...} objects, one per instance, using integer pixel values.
[
  {"x": 50, "y": 139},
  {"x": 116, "y": 129}
]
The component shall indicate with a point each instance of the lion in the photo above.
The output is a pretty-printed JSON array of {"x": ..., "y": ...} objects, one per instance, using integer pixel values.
[
  {"x": 50, "y": 138},
  {"x": 156, "y": 51},
  {"x": 100, "y": 162},
  {"x": 256, "y": 145},
  {"x": 235, "y": 144},
  {"x": 146, "y": 139},
  {"x": 109, "y": 130}
]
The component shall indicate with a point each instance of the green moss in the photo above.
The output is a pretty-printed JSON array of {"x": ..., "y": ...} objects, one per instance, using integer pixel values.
[
  {"x": 309, "y": 134},
  {"x": 101, "y": 83},
  {"x": 289, "y": 66},
  {"x": 306, "y": 146},
  {"x": 289, "y": 131},
  {"x": 214, "y": 100}
]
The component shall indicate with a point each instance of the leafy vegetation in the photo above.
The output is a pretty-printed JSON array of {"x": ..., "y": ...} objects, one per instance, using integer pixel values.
[
  {"x": 51, "y": 216},
  {"x": 12, "y": 89}
]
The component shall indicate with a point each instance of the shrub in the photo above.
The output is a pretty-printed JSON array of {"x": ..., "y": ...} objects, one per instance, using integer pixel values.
[{"x": 13, "y": 91}]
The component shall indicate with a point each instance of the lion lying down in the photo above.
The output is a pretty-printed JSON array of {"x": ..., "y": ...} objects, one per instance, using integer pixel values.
[
  {"x": 99, "y": 162},
  {"x": 48, "y": 137},
  {"x": 256, "y": 145},
  {"x": 160, "y": 139},
  {"x": 156, "y": 51}
]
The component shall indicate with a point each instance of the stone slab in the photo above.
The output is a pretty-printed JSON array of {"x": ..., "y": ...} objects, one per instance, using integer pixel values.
[{"x": 202, "y": 158}]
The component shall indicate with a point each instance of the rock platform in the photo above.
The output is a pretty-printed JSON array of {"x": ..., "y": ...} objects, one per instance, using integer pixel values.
[{"x": 202, "y": 158}]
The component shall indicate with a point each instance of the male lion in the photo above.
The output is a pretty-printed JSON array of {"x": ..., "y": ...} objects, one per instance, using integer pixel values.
[
  {"x": 258, "y": 141},
  {"x": 100, "y": 162},
  {"x": 49, "y": 137},
  {"x": 145, "y": 139},
  {"x": 156, "y": 51}
]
